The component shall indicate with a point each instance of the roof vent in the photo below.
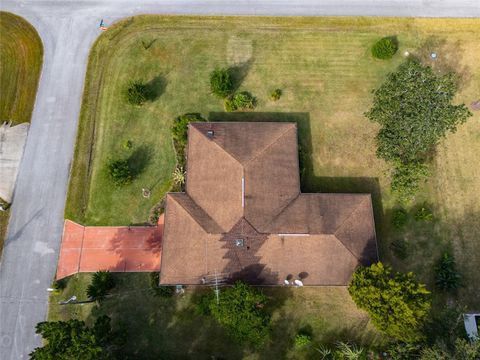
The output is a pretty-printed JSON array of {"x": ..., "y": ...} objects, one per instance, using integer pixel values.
[
  {"x": 210, "y": 133},
  {"x": 239, "y": 242}
]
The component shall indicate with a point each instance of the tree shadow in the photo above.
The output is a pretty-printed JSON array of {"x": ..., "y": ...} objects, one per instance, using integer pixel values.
[
  {"x": 238, "y": 73},
  {"x": 140, "y": 159},
  {"x": 156, "y": 87},
  {"x": 172, "y": 327}
]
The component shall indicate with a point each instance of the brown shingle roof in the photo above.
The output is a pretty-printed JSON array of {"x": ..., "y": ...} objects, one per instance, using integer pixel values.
[{"x": 266, "y": 230}]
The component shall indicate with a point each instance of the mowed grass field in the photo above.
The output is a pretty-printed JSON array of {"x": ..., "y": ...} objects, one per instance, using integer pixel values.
[
  {"x": 326, "y": 73},
  {"x": 171, "y": 328},
  {"x": 21, "y": 56}
]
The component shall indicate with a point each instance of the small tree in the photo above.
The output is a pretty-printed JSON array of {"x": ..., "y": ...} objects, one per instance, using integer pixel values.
[
  {"x": 446, "y": 276},
  {"x": 102, "y": 283},
  {"x": 240, "y": 311},
  {"x": 137, "y": 93},
  {"x": 396, "y": 303},
  {"x": 120, "y": 172},
  {"x": 221, "y": 83},
  {"x": 72, "y": 339},
  {"x": 385, "y": 48},
  {"x": 414, "y": 110}
]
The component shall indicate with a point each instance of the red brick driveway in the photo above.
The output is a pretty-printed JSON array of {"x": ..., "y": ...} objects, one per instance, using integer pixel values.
[{"x": 119, "y": 249}]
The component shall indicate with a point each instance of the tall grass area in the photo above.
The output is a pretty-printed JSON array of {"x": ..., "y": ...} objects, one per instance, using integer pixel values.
[
  {"x": 21, "y": 56},
  {"x": 326, "y": 73}
]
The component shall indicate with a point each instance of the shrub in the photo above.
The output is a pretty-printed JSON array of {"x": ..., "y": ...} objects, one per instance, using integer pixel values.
[
  {"x": 275, "y": 94},
  {"x": 229, "y": 105},
  {"x": 180, "y": 133},
  {"x": 156, "y": 211},
  {"x": 60, "y": 284},
  {"x": 446, "y": 276},
  {"x": 221, "y": 83},
  {"x": 302, "y": 340},
  {"x": 127, "y": 145},
  {"x": 243, "y": 100},
  {"x": 102, "y": 283},
  {"x": 137, "y": 93},
  {"x": 399, "y": 218},
  {"x": 179, "y": 176},
  {"x": 397, "y": 304},
  {"x": 120, "y": 172},
  {"x": 424, "y": 214},
  {"x": 385, "y": 48},
  {"x": 160, "y": 290}
]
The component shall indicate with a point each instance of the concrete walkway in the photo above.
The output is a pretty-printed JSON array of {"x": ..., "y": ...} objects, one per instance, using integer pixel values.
[
  {"x": 68, "y": 29},
  {"x": 12, "y": 143}
]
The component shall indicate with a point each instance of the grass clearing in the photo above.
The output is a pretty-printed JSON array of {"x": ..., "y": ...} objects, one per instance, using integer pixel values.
[
  {"x": 326, "y": 73},
  {"x": 170, "y": 327},
  {"x": 21, "y": 56}
]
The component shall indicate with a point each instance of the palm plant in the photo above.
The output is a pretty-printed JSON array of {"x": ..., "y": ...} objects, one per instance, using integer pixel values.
[{"x": 102, "y": 283}]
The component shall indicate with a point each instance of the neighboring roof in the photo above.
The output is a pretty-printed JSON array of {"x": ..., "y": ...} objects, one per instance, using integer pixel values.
[{"x": 243, "y": 187}]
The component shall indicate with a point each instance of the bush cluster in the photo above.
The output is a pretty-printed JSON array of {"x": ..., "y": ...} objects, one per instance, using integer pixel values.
[
  {"x": 385, "y": 48},
  {"x": 137, "y": 92},
  {"x": 221, "y": 83},
  {"x": 180, "y": 133},
  {"x": 120, "y": 172},
  {"x": 240, "y": 101}
]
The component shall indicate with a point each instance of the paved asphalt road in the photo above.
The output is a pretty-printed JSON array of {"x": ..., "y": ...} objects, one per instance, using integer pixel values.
[{"x": 68, "y": 29}]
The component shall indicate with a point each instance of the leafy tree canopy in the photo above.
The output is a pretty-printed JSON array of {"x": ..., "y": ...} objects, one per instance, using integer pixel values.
[
  {"x": 396, "y": 302},
  {"x": 414, "y": 109},
  {"x": 240, "y": 311},
  {"x": 72, "y": 339}
]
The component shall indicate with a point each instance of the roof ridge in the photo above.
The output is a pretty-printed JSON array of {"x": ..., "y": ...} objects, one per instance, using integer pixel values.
[
  {"x": 343, "y": 223},
  {"x": 190, "y": 214},
  {"x": 283, "y": 209},
  {"x": 293, "y": 126},
  {"x": 218, "y": 145}
]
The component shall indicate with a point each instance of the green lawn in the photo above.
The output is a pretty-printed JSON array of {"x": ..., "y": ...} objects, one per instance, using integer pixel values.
[
  {"x": 171, "y": 328},
  {"x": 21, "y": 55},
  {"x": 326, "y": 73}
]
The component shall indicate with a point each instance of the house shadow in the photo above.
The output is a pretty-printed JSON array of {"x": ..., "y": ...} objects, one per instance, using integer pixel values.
[{"x": 310, "y": 183}]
